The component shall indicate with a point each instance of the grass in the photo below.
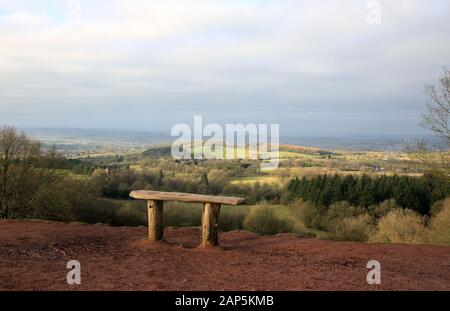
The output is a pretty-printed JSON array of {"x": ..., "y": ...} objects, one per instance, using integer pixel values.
[
  {"x": 292, "y": 154},
  {"x": 136, "y": 167},
  {"x": 262, "y": 179}
]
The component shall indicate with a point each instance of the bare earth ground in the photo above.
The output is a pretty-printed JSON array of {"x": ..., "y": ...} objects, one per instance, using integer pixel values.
[{"x": 33, "y": 256}]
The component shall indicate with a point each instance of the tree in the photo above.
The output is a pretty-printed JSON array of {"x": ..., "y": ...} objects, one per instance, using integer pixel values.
[
  {"x": 160, "y": 178},
  {"x": 438, "y": 107},
  {"x": 19, "y": 180},
  {"x": 204, "y": 179},
  {"x": 435, "y": 163}
]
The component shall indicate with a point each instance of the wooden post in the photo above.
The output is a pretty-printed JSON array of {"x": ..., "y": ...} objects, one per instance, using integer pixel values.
[
  {"x": 155, "y": 220},
  {"x": 210, "y": 217},
  {"x": 210, "y": 224}
]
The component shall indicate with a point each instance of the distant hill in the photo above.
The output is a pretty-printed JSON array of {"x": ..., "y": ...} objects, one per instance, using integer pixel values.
[
  {"x": 158, "y": 151},
  {"x": 165, "y": 150},
  {"x": 107, "y": 139},
  {"x": 305, "y": 150}
]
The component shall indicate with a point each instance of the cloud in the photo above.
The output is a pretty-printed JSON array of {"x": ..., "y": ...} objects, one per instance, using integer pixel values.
[
  {"x": 229, "y": 60},
  {"x": 24, "y": 19}
]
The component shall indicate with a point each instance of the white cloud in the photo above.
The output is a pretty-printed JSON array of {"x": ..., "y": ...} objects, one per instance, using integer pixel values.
[
  {"x": 193, "y": 54},
  {"x": 24, "y": 19}
]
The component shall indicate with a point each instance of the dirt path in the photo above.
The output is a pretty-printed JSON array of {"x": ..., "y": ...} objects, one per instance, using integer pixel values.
[{"x": 33, "y": 256}]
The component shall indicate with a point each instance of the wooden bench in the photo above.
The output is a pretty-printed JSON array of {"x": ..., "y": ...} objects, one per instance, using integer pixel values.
[{"x": 210, "y": 215}]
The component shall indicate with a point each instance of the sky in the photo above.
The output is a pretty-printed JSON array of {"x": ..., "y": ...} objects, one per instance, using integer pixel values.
[{"x": 314, "y": 67}]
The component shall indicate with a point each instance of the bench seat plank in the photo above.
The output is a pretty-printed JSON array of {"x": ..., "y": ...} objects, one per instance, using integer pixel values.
[{"x": 185, "y": 197}]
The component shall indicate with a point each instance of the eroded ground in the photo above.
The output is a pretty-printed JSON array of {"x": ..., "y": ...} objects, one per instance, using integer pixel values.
[{"x": 34, "y": 254}]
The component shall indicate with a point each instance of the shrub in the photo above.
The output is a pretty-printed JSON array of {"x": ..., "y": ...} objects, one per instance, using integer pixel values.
[
  {"x": 347, "y": 223},
  {"x": 351, "y": 228},
  {"x": 437, "y": 207},
  {"x": 94, "y": 210},
  {"x": 310, "y": 214},
  {"x": 439, "y": 230},
  {"x": 134, "y": 213},
  {"x": 51, "y": 204},
  {"x": 342, "y": 210},
  {"x": 382, "y": 209},
  {"x": 262, "y": 219},
  {"x": 182, "y": 215},
  {"x": 400, "y": 226},
  {"x": 231, "y": 221},
  {"x": 287, "y": 198}
]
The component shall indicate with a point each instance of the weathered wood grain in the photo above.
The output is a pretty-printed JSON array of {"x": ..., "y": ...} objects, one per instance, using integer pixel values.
[
  {"x": 155, "y": 220},
  {"x": 185, "y": 197},
  {"x": 210, "y": 224}
]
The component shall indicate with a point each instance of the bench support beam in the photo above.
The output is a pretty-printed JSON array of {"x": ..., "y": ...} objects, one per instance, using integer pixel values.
[
  {"x": 155, "y": 220},
  {"x": 210, "y": 224},
  {"x": 210, "y": 216}
]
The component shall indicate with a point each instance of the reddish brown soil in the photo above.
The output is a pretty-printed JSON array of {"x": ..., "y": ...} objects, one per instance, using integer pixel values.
[{"x": 33, "y": 256}]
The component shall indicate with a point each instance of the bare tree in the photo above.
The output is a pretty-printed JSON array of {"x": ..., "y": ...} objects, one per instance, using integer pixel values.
[
  {"x": 438, "y": 107},
  {"x": 435, "y": 162},
  {"x": 19, "y": 180}
]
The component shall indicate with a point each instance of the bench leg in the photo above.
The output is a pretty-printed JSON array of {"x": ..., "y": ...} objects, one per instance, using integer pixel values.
[
  {"x": 155, "y": 220},
  {"x": 210, "y": 224}
]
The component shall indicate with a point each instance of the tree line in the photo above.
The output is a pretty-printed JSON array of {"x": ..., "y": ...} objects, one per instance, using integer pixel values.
[{"x": 415, "y": 193}]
